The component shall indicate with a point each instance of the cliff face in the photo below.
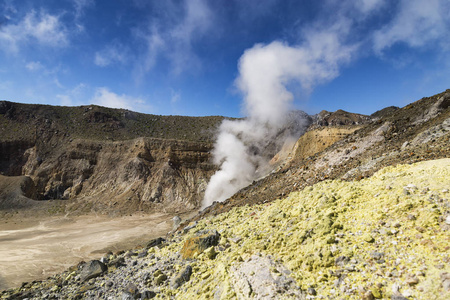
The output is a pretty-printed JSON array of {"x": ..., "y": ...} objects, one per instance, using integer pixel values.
[
  {"x": 125, "y": 176},
  {"x": 104, "y": 160}
]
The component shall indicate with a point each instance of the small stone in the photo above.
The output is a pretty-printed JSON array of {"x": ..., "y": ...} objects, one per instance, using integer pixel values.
[
  {"x": 211, "y": 252},
  {"x": 155, "y": 242},
  {"x": 312, "y": 291},
  {"x": 376, "y": 293},
  {"x": 176, "y": 222},
  {"x": 160, "y": 279},
  {"x": 131, "y": 289},
  {"x": 341, "y": 261},
  {"x": 445, "y": 278},
  {"x": 182, "y": 277},
  {"x": 447, "y": 220},
  {"x": 376, "y": 255},
  {"x": 398, "y": 297},
  {"x": 235, "y": 240},
  {"x": 411, "y": 187},
  {"x": 369, "y": 238},
  {"x": 143, "y": 254},
  {"x": 408, "y": 293},
  {"x": 420, "y": 229},
  {"x": 411, "y": 217},
  {"x": 444, "y": 191},
  {"x": 148, "y": 295},
  {"x": 118, "y": 262},
  {"x": 367, "y": 296},
  {"x": 412, "y": 280},
  {"x": 127, "y": 296}
]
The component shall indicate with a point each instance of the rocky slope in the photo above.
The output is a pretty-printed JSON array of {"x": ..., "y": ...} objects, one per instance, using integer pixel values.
[
  {"x": 381, "y": 237},
  {"x": 359, "y": 236},
  {"x": 419, "y": 131},
  {"x": 103, "y": 160},
  {"x": 113, "y": 161}
]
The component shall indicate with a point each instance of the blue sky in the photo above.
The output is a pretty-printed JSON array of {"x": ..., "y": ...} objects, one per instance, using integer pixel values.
[{"x": 185, "y": 57}]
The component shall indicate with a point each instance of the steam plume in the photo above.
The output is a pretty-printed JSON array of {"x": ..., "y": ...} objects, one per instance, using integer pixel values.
[{"x": 265, "y": 72}]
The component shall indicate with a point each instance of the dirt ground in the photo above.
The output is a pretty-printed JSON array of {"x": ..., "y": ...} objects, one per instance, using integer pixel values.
[{"x": 35, "y": 249}]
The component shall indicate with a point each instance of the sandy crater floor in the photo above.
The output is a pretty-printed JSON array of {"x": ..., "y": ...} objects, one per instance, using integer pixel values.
[{"x": 35, "y": 250}]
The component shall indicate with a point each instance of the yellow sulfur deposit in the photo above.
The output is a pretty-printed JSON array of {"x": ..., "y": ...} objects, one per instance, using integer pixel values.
[{"x": 373, "y": 238}]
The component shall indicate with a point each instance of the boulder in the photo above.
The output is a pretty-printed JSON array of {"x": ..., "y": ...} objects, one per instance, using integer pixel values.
[
  {"x": 182, "y": 277},
  {"x": 198, "y": 244},
  {"x": 93, "y": 269},
  {"x": 263, "y": 278}
]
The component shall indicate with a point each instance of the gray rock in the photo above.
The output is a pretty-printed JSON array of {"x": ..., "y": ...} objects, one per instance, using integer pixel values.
[
  {"x": 263, "y": 278},
  {"x": 312, "y": 291},
  {"x": 445, "y": 278},
  {"x": 143, "y": 254},
  {"x": 182, "y": 277},
  {"x": 148, "y": 295},
  {"x": 155, "y": 242},
  {"x": 376, "y": 255},
  {"x": 127, "y": 296},
  {"x": 93, "y": 269},
  {"x": 132, "y": 289},
  {"x": 176, "y": 222},
  {"x": 118, "y": 262},
  {"x": 398, "y": 297},
  {"x": 341, "y": 261}
]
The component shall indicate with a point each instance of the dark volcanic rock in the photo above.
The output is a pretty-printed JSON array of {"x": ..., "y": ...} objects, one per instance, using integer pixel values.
[
  {"x": 183, "y": 277},
  {"x": 198, "y": 244},
  {"x": 93, "y": 269}
]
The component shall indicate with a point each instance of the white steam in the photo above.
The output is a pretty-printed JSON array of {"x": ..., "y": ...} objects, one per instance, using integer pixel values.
[{"x": 265, "y": 73}]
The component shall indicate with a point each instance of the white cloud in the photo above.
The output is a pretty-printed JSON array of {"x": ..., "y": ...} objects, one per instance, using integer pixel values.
[
  {"x": 368, "y": 6},
  {"x": 175, "y": 96},
  {"x": 114, "y": 53},
  {"x": 154, "y": 44},
  {"x": 104, "y": 97},
  {"x": 43, "y": 29},
  {"x": 73, "y": 96},
  {"x": 173, "y": 37},
  {"x": 81, "y": 6},
  {"x": 416, "y": 24},
  {"x": 34, "y": 66}
]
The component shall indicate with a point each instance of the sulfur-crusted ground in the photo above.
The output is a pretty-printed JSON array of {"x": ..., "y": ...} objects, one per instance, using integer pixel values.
[{"x": 382, "y": 237}]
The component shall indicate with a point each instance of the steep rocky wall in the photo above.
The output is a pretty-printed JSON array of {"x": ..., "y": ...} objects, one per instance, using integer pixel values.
[
  {"x": 139, "y": 174},
  {"x": 13, "y": 157},
  {"x": 312, "y": 142}
]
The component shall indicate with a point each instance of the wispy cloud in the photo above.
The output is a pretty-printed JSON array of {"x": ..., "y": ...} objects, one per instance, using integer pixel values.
[
  {"x": 104, "y": 97},
  {"x": 81, "y": 6},
  {"x": 172, "y": 37},
  {"x": 34, "y": 66},
  {"x": 368, "y": 6},
  {"x": 35, "y": 28},
  {"x": 174, "y": 96},
  {"x": 73, "y": 96},
  {"x": 416, "y": 24},
  {"x": 114, "y": 53}
]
